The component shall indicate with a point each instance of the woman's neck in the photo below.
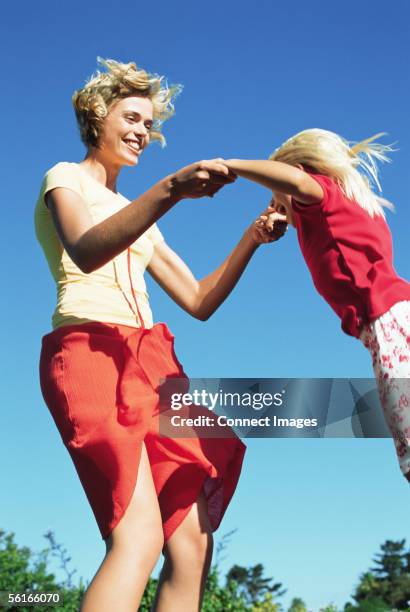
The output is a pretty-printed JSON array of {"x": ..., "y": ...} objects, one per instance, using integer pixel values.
[{"x": 101, "y": 169}]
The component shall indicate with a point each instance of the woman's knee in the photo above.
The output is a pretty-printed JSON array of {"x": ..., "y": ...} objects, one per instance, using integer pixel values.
[
  {"x": 140, "y": 527},
  {"x": 137, "y": 540},
  {"x": 200, "y": 548},
  {"x": 189, "y": 555},
  {"x": 191, "y": 545}
]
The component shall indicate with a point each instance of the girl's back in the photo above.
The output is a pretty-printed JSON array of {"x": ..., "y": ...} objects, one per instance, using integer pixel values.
[{"x": 349, "y": 255}]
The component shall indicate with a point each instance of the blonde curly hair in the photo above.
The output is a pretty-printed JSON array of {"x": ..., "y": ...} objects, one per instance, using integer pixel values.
[
  {"x": 352, "y": 165},
  {"x": 93, "y": 101}
]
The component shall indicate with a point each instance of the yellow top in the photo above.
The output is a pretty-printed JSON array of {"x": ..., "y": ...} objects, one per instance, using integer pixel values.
[{"x": 103, "y": 295}]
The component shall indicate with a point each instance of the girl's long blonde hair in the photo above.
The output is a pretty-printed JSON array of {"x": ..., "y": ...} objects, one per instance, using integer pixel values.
[
  {"x": 92, "y": 103},
  {"x": 352, "y": 165}
]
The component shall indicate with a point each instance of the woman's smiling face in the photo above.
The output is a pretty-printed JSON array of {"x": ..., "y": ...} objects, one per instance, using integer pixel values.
[{"x": 126, "y": 130}]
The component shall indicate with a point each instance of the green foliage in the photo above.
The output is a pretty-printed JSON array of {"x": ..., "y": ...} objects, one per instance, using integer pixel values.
[
  {"x": 386, "y": 586},
  {"x": 371, "y": 604},
  {"x": 220, "y": 599},
  {"x": 22, "y": 570},
  {"x": 252, "y": 584},
  {"x": 149, "y": 595},
  {"x": 297, "y": 605},
  {"x": 266, "y": 605},
  {"x": 217, "y": 598},
  {"x": 392, "y": 562}
]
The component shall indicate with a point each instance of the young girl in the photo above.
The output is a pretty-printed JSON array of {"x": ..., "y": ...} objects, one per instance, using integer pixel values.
[{"x": 323, "y": 187}]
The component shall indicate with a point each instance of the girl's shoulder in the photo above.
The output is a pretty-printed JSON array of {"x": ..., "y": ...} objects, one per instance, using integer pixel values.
[
  {"x": 326, "y": 182},
  {"x": 333, "y": 193}
]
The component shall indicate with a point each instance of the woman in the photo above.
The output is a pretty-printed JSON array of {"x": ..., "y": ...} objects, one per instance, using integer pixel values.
[{"x": 101, "y": 366}]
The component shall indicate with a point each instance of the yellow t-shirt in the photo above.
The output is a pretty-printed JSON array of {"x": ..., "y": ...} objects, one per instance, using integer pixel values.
[{"x": 105, "y": 294}]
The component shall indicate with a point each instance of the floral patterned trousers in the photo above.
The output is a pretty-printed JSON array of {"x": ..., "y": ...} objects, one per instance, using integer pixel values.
[{"x": 388, "y": 340}]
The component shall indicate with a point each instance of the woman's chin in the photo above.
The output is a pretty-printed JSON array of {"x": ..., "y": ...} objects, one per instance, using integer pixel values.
[{"x": 130, "y": 161}]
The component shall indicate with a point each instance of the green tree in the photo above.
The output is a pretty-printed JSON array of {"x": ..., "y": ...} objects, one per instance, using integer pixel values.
[
  {"x": 297, "y": 605},
  {"x": 387, "y": 585},
  {"x": 252, "y": 584},
  {"x": 391, "y": 562},
  {"x": 372, "y": 604},
  {"x": 266, "y": 605},
  {"x": 23, "y": 570},
  {"x": 222, "y": 598}
]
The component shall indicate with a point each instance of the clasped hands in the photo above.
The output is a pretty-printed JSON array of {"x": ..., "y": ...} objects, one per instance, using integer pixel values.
[{"x": 207, "y": 177}]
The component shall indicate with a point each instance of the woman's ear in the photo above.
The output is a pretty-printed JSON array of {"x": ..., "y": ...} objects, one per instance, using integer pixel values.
[{"x": 300, "y": 167}]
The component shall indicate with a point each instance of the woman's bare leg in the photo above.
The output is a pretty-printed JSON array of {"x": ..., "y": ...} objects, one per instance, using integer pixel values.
[
  {"x": 188, "y": 555},
  {"x": 133, "y": 548}
]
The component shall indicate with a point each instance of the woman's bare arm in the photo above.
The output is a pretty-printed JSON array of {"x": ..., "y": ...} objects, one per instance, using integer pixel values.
[
  {"x": 91, "y": 246},
  {"x": 200, "y": 298}
]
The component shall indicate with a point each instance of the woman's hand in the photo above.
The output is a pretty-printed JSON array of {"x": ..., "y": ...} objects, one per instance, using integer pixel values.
[
  {"x": 202, "y": 297},
  {"x": 200, "y": 179},
  {"x": 268, "y": 227}
]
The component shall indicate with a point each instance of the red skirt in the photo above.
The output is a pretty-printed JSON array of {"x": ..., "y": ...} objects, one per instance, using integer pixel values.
[{"x": 101, "y": 384}]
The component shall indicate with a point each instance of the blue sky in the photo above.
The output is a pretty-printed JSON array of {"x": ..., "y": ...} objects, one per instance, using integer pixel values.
[{"x": 312, "y": 511}]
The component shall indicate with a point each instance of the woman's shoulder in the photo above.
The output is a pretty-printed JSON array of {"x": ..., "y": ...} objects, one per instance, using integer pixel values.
[
  {"x": 62, "y": 174},
  {"x": 62, "y": 168}
]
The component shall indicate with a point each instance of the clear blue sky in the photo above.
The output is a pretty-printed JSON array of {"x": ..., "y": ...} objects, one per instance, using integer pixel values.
[{"x": 312, "y": 511}]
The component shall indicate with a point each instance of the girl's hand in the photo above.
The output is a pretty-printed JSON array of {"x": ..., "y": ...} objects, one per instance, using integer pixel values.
[{"x": 268, "y": 227}]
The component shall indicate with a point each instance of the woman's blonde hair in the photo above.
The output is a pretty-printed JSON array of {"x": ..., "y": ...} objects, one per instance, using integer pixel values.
[
  {"x": 352, "y": 165},
  {"x": 93, "y": 102}
]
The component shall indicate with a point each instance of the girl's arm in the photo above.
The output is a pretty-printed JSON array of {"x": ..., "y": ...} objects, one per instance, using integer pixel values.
[
  {"x": 91, "y": 246},
  {"x": 200, "y": 298},
  {"x": 280, "y": 177}
]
